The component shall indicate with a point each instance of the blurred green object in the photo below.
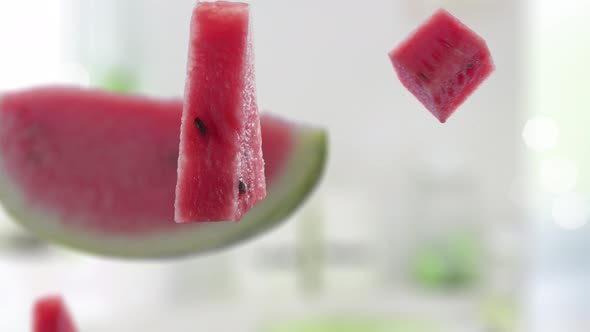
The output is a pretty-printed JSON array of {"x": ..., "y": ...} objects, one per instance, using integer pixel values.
[
  {"x": 22, "y": 243},
  {"x": 449, "y": 263},
  {"x": 310, "y": 249},
  {"x": 351, "y": 325},
  {"x": 500, "y": 314},
  {"x": 119, "y": 80}
]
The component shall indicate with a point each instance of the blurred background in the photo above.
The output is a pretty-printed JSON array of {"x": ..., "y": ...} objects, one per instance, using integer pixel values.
[{"x": 476, "y": 225}]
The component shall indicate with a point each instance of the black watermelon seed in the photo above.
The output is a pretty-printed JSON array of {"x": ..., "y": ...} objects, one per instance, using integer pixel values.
[
  {"x": 469, "y": 66},
  {"x": 201, "y": 126},
  {"x": 423, "y": 77},
  {"x": 242, "y": 187}
]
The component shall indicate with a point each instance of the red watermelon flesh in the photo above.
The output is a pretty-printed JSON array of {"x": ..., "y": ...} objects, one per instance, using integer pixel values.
[
  {"x": 72, "y": 149},
  {"x": 51, "y": 315},
  {"x": 97, "y": 171},
  {"x": 277, "y": 141},
  {"x": 221, "y": 168},
  {"x": 442, "y": 63},
  {"x": 134, "y": 191}
]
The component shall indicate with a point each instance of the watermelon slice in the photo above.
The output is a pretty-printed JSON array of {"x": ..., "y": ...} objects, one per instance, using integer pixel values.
[
  {"x": 97, "y": 171},
  {"x": 442, "y": 63},
  {"x": 51, "y": 315},
  {"x": 220, "y": 166}
]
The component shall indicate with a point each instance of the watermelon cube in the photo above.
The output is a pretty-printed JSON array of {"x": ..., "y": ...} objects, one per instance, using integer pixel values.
[
  {"x": 442, "y": 63},
  {"x": 220, "y": 165},
  {"x": 51, "y": 315}
]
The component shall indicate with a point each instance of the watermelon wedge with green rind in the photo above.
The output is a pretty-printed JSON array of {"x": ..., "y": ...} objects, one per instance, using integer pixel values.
[{"x": 97, "y": 171}]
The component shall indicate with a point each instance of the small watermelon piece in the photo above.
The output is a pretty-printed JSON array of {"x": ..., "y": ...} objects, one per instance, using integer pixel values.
[
  {"x": 97, "y": 171},
  {"x": 51, "y": 315},
  {"x": 442, "y": 63},
  {"x": 220, "y": 167}
]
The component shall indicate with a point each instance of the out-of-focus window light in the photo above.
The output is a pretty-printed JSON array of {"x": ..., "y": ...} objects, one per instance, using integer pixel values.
[
  {"x": 541, "y": 133},
  {"x": 33, "y": 44},
  {"x": 558, "y": 175},
  {"x": 571, "y": 211}
]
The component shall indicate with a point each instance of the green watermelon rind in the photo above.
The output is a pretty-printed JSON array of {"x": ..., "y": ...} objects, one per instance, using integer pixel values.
[{"x": 301, "y": 174}]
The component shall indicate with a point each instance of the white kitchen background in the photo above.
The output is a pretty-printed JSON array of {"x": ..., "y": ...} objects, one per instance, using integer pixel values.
[{"x": 475, "y": 225}]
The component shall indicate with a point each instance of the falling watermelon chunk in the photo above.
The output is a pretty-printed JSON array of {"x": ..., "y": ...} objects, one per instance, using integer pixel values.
[
  {"x": 97, "y": 171},
  {"x": 442, "y": 63},
  {"x": 221, "y": 168},
  {"x": 51, "y": 315}
]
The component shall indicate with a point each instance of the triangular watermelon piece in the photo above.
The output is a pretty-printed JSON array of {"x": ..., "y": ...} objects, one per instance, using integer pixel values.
[
  {"x": 51, "y": 315},
  {"x": 442, "y": 63},
  {"x": 97, "y": 171},
  {"x": 220, "y": 166}
]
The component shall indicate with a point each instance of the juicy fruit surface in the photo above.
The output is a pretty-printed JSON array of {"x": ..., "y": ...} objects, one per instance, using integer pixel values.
[
  {"x": 221, "y": 167},
  {"x": 442, "y": 63},
  {"x": 51, "y": 315},
  {"x": 278, "y": 140},
  {"x": 103, "y": 161},
  {"x": 97, "y": 171}
]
